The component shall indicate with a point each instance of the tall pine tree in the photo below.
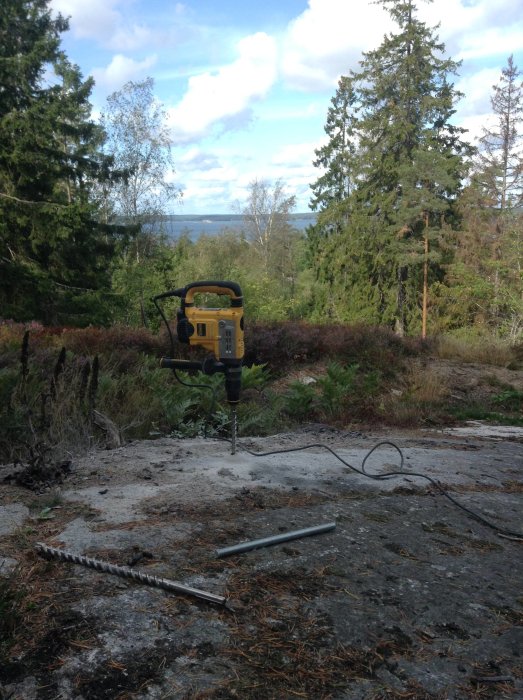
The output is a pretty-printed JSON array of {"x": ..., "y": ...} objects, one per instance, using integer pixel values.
[
  {"x": 491, "y": 249},
  {"x": 407, "y": 162},
  {"x": 336, "y": 158},
  {"x": 54, "y": 255},
  {"x": 500, "y": 166}
]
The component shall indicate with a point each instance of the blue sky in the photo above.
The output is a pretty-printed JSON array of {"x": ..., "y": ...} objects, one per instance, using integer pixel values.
[{"x": 247, "y": 85}]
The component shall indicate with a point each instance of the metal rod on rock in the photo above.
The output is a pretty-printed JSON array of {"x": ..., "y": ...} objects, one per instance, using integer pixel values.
[
  {"x": 276, "y": 539},
  {"x": 125, "y": 572}
]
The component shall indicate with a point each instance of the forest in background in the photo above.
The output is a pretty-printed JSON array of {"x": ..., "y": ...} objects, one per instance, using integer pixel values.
[{"x": 417, "y": 229}]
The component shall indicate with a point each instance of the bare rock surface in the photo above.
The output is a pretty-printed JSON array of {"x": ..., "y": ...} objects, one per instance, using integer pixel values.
[
  {"x": 409, "y": 597},
  {"x": 12, "y": 515}
]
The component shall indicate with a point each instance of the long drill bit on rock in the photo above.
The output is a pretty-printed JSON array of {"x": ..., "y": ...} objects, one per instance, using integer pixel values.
[{"x": 125, "y": 572}]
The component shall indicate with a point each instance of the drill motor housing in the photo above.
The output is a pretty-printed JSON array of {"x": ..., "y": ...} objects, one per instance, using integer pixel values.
[{"x": 218, "y": 330}]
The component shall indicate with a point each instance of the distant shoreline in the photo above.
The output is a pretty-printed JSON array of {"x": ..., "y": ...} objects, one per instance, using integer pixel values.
[
  {"x": 196, "y": 225},
  {"x": 228, "y": 217}
]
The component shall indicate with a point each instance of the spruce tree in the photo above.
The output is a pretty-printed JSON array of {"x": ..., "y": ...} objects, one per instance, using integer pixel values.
[
  {"x": 336, "y": 157},
  {"x": 407, "y": 163},
  {"x": 54, "y": 255},
  {"x": 500, "y": 166},
  {"x": 492, "y": 248}
]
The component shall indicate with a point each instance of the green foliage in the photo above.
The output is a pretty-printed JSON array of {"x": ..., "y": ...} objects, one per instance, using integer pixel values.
[
  {"x": 272, "y": 292},
  {"x": 499, "y": 168},
  {"x": 484, "y": 414},
  {"x": 394, "y": 163},
  {"x": 299, "y": 400},
  {"x": 337, "y": 157},
  {"x": 261, "y": 418},
  {"x": 12, "y": 429},
  {"x": 206, "y": 411},
  {"x": 138, "y": 138},
  {"x": 510, "y": 400},
  {"x": 255, "y": 377},
  {"x": 44, "y": 419},
  {"x": 483, "y": 285},
  {"x": 81, "y": 209},
  {"x": 55, "y": 262},
  {"x": 336, "y": 388},
  {"x": 341, "y": 394}
]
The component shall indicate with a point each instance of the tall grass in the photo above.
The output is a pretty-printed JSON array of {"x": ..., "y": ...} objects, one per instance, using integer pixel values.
[
  {"x": 486, "y": 350},
  {"x": 56, "y": 403}
]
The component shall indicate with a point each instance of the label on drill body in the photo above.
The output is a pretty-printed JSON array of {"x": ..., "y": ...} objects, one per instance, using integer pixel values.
[{"x": 227, "y": 342}]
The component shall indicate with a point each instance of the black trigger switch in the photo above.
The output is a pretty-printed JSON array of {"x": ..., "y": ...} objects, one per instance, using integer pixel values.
[{"x": 184, "y": 329}]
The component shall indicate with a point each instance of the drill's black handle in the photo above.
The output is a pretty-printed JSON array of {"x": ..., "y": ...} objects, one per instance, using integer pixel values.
[
  {"x": 233, "y": 373},
  {"x": 184, "y": 365},
  {"x": 208, "y": 366},
  {"x": 232, "y": 289},
  {"x": 216, "y": 287}
]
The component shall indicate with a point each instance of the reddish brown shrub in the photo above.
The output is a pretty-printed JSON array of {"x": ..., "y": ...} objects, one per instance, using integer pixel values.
[
  {"x": 97, "y": 341},
  {"x": 282, "y": 345}
]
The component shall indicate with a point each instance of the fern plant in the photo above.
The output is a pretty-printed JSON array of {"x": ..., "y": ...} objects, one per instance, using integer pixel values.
[
  {"x": 255, "y": 377},
  {"x": 336, "y": 388},
  {"x": 299, "y": 400}
]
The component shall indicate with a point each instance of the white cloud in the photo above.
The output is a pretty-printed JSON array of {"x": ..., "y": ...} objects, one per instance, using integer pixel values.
[
  {"x": 207, "y": 176},
  {"x": 297, "y": 155},
  {"x": 495, "y": 41},
  {"x": 200, "y": 197},
  {"x": 224, "y": 174},
  {"x": 477, "y": 90},
  {"x": 130, "y": 38},
  {"x": 476, "y": 124},
  {"x": 214, "y": 179},
  {"x": 452, "y": 16},
  {"x": 291, "y": 111},
  {"x": 103, "y": 22},
  {"x": 227, "y": 93},
  {"x": 327, "y": 39},
  {"x": 197, "y": 159},
  {"x": 293, "y": 165},
  {"x": 88, "y": 20},
  {"x": 477, "y": 29},
  {"x": 121, "y": 70}
]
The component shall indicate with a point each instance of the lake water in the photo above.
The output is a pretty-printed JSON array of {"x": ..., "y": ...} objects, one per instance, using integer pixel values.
[{"x": 194, "y": 227}]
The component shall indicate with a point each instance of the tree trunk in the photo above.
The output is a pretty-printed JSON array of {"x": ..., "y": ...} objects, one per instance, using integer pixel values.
[
  {"x": 425, "y": 280},
  {"x": 401, "y": 324}
]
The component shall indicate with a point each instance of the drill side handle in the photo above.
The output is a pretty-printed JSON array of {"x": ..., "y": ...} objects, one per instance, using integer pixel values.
[
  {"x": 184, "y": 365},
  {"x": 207, "y": 366}
]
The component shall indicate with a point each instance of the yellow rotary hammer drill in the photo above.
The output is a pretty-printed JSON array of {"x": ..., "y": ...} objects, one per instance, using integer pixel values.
[{"x": 218, "y": 330}]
